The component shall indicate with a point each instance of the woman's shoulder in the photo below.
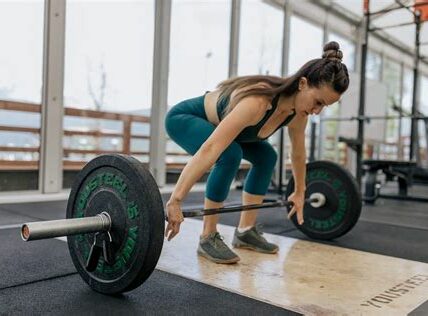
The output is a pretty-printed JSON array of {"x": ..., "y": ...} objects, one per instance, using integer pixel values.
[{"x": 255, "y": 105}]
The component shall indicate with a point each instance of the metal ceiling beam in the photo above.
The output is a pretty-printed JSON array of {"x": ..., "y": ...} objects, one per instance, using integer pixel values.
[{"x": 357, "y": 21}]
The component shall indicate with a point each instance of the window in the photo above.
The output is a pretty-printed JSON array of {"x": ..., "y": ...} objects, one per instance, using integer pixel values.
[
  {"x": 348, "y": 49},
  {"x": 199, "y": 47},
  {"x": 305, "y": 43},
  {"x": 21, "y": 75},
  {"x": 260, "y": 43},
  {"x": 423, "y": 92},
  {"x": 199, "y": 53},
  {"x": 406, "y": 105},
  {"x": 391, "y": 77},
  {"x": 373, "y": 65},
  {"x": 108, "y": 68},
  {"x": 422, "y": 128},
  {"x": 407, "y": 99}
]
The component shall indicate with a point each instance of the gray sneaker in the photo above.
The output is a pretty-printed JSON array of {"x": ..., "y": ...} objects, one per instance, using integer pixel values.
[
  {"x": 253, "y": 239},
  {"x": 213, "y": 248}
]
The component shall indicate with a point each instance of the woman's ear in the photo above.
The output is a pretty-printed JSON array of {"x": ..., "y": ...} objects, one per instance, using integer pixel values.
[{"x": 303, "y": 83}]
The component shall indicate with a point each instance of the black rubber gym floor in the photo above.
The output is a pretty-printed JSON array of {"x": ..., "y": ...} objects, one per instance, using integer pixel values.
[{"x": 39, "y": 278}]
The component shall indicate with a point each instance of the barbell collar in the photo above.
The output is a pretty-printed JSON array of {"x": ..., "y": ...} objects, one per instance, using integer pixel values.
[
  {"x": 317, "y": 200},
  {"x": 65, "y": 227}
]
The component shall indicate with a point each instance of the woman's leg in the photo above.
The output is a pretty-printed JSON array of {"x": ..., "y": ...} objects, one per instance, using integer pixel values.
[
  {"x": 263, "y": 158},
  {"x": 248, "y": 218},
  {"x": 218, "y": 183},
  {"x": 210, "y": 222},
  {"x": 190, "y": 132}
]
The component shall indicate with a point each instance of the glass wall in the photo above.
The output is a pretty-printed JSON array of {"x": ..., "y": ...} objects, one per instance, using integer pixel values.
[
  {"x": 333, "y": 150},
  {"x": 373, "y": 65},
  {"x": 260, "y": 42},
  {"x": 199, "y": 47},
  {"x": 108, "y": 73},
  {"x": 301, "y": 51},
  {"x": 407, "y": 98},
  {"x": 406, "y": 106},
  {"x": 392, "y": 79},
  {"x": 422, "y": 125},
  {"x": 21, "y": 75},
  {"x": 305, "y": 42},
  {"x": 199, "y": 53},
  {"x": 348, "y": 49},
  {"x": 423, "y": 104}
]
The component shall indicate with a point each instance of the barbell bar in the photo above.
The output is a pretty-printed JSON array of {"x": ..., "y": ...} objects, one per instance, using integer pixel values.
[
  {"x": 102, "y": 222},
  {"x": 316, "y": 200},
  {"x": 115, "y": 218}
]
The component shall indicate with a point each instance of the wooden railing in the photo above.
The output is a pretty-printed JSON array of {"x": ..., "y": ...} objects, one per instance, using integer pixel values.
[{"x": 126, "y": 135}]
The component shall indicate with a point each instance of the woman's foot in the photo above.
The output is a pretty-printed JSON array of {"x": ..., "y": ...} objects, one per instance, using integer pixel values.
[
  {"x": 252, "y": 239},
  {"x": 213, "y": 248}
]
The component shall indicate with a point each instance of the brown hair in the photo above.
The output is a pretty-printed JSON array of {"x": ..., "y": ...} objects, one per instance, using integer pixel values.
[{"x": 326, "y": 70}]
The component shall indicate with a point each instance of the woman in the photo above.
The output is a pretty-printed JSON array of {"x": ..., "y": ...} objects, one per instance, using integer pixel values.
[{"x": 233, "y": 122}]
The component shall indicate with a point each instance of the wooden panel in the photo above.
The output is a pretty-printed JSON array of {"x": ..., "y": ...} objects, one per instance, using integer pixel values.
[
  {"x": 70, "y": 132},
  {"x": 19, "y": 149},
  {"x": 91, "y": 133},
  {"x": 20, "y": 129},
  {"x": 67, "y": 152},
  {"x": 140, "y": 136},
  {"x": 177, "y": 154},
  {"x": 20, "y": 106},
  {"x": 106, "y": 115},
  {"x": 19, "y": 165},
  {"x": 36, "y": 108}
]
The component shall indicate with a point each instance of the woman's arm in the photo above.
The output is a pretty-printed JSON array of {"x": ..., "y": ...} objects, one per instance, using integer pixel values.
[
  {"x": 246, "y": 113},
  {"x": 298, "y": 163}
]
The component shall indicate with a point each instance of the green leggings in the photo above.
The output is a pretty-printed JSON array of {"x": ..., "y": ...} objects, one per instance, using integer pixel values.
[{"x": 187, "y": 125}]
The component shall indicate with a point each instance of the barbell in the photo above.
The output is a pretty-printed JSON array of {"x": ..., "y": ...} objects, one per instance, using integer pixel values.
[{"x": 115, "y": 219}]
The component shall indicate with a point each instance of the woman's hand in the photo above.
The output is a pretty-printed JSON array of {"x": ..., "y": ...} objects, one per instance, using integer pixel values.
[
  {"x": 298, "y": 199},
  {"x": 175, "y": 218}
]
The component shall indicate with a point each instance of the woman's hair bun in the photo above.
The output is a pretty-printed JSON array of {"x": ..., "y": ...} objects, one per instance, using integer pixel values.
[{"x": 332, "y": 51}]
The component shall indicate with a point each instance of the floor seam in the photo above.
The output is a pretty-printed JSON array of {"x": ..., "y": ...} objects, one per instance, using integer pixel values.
[
  {"x": 389, "y": 224},
  {"x": 13, "y": 212},
  {"x": 37, "y": 281}
]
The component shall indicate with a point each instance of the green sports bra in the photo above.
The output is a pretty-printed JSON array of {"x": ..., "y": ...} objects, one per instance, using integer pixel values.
[{"x": 249, "y": 134}]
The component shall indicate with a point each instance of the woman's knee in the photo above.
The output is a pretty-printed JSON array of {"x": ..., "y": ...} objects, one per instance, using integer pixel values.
[
  {"x": 231, "y": 156},
  {"x": 270, "y": 157},
  {"x": 170, "y": 124},
  {"x": 266, "y": 159}
]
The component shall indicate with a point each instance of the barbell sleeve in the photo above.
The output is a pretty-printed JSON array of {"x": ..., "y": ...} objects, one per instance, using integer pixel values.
[{"x": 65, "y": 227}]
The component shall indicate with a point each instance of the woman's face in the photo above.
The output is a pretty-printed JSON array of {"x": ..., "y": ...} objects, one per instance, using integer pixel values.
[{"x": 311, "y": 100}]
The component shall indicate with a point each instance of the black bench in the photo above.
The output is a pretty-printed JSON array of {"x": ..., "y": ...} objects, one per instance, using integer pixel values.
[{"x": 402, "y": 171}]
